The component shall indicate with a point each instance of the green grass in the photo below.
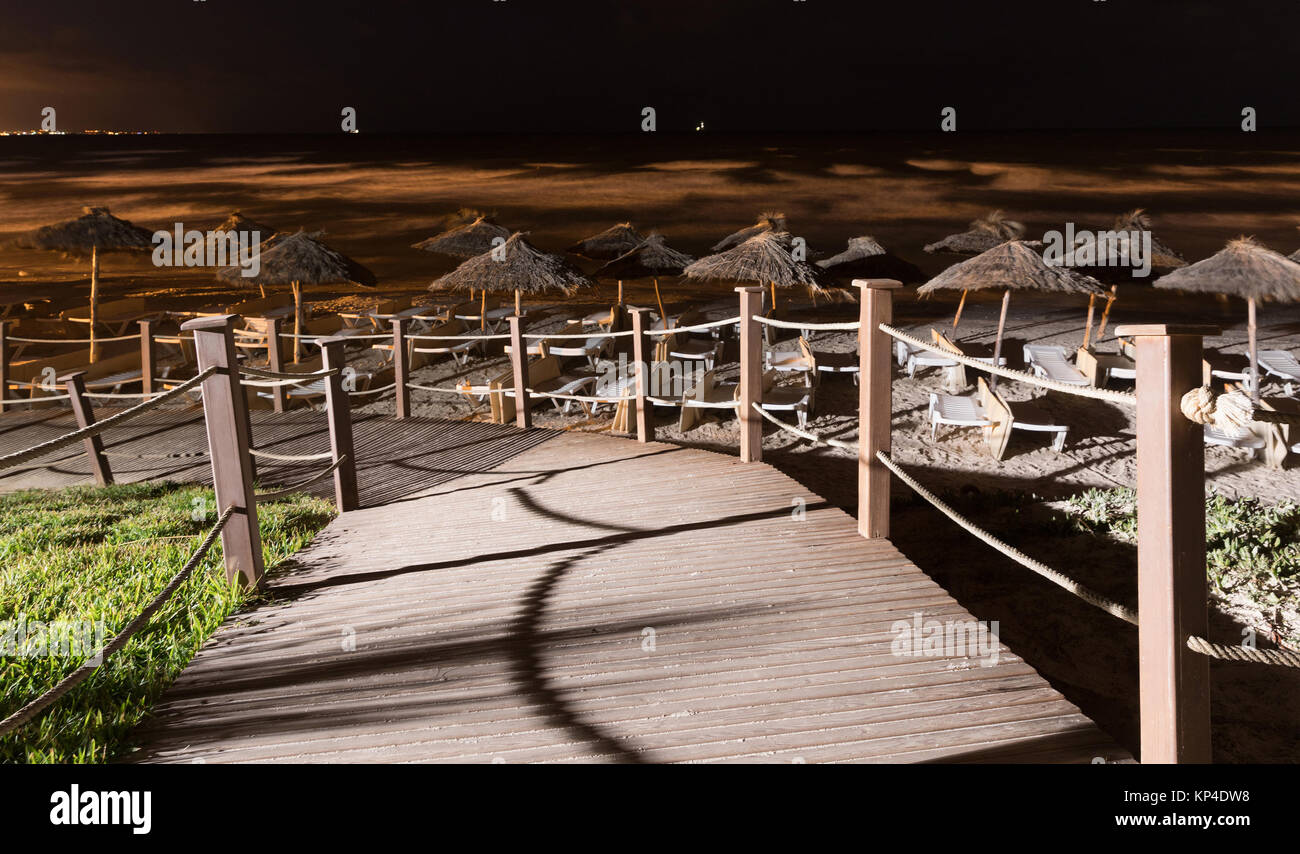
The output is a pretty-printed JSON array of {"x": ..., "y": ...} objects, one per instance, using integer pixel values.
[
  {"x": 1252, "y": 548},
  {"x": 101, "y": 554}
]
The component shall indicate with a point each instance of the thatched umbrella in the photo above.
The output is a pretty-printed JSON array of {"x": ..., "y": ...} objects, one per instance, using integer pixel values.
[
  {"x": 764, "y": 258},
  {"x": 1010, "y": 266},
  {"x": 465, "y": 240},
  {"x": 515, "y": 265},
  {"x": 651, "y": 259},
  {"x": 1243, "y": 268},
  {"x": 609, "y": 244},
  {"x": 95, "y": 231},
  {"x": 237, "y": 223},
  {"x": 302, "y": 259},
  {"x": 983, "y": 234},
  {"x": 767, "y": 221},
  {"x": 866, "y": 258},
  {"x": 1163, "y": 260}
]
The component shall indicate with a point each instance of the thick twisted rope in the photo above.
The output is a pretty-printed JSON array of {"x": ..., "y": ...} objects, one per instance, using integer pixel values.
[
  {"x": 285, "y": 375},
  {"x": 372, "y": 390},
  {"x": 1230, "y": 412},
  {"x": 20, "y": 457},
  {"x": 1223, "y": 652},
  {"x": 71, "y": 340},
  {"x": 297, "y": 487},
  {"x": 804, "y": 434},
  {"x": 17, "y": 400},
  {"x": 1125, "y": 397},
  {"x": 847, "y": 326},
  {"x": 1110, "y": 606},
  {"x": 289, "y": 458},
  {"x": 35, "y": 707}
]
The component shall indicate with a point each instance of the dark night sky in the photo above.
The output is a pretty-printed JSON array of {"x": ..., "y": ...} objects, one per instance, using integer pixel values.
[{"x": 246, "y": 66}]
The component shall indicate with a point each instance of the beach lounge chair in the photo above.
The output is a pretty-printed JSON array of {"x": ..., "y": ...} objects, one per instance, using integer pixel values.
[
  {"x": 704, "y": 395},
  {"x": 1282, "y": 365},
  {"x": 690, "y": 348},
  {"x": 837, "y": 363},
  {"x": 544, "y": 375},
  {"x": 315, "y": 390},
  {"x": 955, "y": 410},
  {"x": 1023, "y": 415},
  {"x": 1100, "y": 368},
  {"x": 799, "y": 361},
  {"x": 592, "y": 348},
  {"x": 1228, "y": 369},
  {"x": 461, "y": 341},
  {"x": 1049, "y": 361},
  {"x": 787, "y": 398}
]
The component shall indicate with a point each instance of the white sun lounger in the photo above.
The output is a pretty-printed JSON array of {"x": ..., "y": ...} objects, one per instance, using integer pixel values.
[
  {"x": 837, "y": 363},
  {"x": 1284, "y": 366},
  {"x": 955, "y": 410},
  {"x": 591, "y": 349},
  {"x": 1250, "y": 440},
  {"x": 1049, "y": 361},
  {"x": 792, "y": 361},
  {"x": 787, "y": 398}
]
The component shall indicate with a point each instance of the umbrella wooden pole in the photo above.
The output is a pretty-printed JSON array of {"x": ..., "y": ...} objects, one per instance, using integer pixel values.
[
  {"x": 1110, "y": 300},
  {"x": 1254, "y": 352},
  {"x": 297, "y": 322},
  {"x": 997, "y": 346},
  {"x": 957, "y": 317},
  {"x": 1087, "y": 331},
  {"x": 482, "y": 311},
  {"x": 94, "y": 301},
  {"x": 774, "y": 298},
  {"x": 517, "y": 311},
  {"x": 620, "y": 291},
  {"x": 662, "y": 315}
]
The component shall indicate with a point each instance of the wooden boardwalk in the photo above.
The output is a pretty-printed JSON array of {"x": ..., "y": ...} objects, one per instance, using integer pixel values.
[
  {"x": 573, "y": 597},
  {"x": 395, "y": 458}
]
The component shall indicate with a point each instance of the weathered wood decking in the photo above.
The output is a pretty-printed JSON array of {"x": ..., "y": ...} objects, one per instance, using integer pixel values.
[{"x": 586, "y": 598}]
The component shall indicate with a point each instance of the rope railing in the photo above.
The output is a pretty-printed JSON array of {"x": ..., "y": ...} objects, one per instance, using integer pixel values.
[
  {"x": 17, "y": 340},
  {"x": 1224, "y": 652},
  {"x": 15, "y": 401},
  {"x": 697, "y": 327},
  {"x": 19, "y": 457},
  {"x": 1060, "y": 579},
  {"x": 286, "y": 375},
  {"x": 290, "y": 458},
  {"x": 1127, "y": 398},
  {"x": 35, "y": 707},
  {"x": 369, "y": 391},
  {"x": 298, "y": 487},
  {"x": 847, "y": 326}
]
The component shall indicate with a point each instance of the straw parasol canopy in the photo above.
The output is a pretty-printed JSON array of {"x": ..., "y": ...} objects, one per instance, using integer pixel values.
[
  {"x": 237, "y": 223},
  {"x": 515, "y": 265},
  {"x": 767, "y": 221},
  {"x": 95, "y": 231},
  {"x": 1010, "y": 266},
  {"x": 465, "y": 240},
  {"x": 866, "y": 258},
  {"x": 609, "y": 244},
  {"x": 984, "y": 233},
  {"x": 764, "y": 259},
  {"x": 302, "y": 259},
  {"x": 1162, "y": 257},
  {"x": 650, "y": 259},
  {"x": 1247, "y": 269}
]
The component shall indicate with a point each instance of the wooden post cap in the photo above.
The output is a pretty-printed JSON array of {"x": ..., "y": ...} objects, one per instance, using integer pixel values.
[
  {"x": 210, "y": 324},
  {"x": 72, "y": 375},
  {"x": 333, "y": 339},
  {"x": 750, "y": 289},
  {"x": 1134, "y": 330},
  {"x": 877, "y": 283}
]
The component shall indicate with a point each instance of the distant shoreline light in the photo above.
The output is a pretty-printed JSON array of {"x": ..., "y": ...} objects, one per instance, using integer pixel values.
[{"x": 79, "y": 132}]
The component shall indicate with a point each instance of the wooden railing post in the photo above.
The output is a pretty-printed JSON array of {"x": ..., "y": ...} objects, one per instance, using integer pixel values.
[
  {"x": 401, "y": 368},
  {"x": 148, "y": 357},
  {"x": 751, "y": 373},
  {"x": 519, "y": 361},
  {"x": 275, "y": 361},
  {"x": 339, "y": 409},
  {"x": 1174, "y": 682},
  {"x": 75, "y": 383},
  {"x": 643, "y": 368},
  {"x": 225, "y": 411},
  {"x": 875, "y": 403}
]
